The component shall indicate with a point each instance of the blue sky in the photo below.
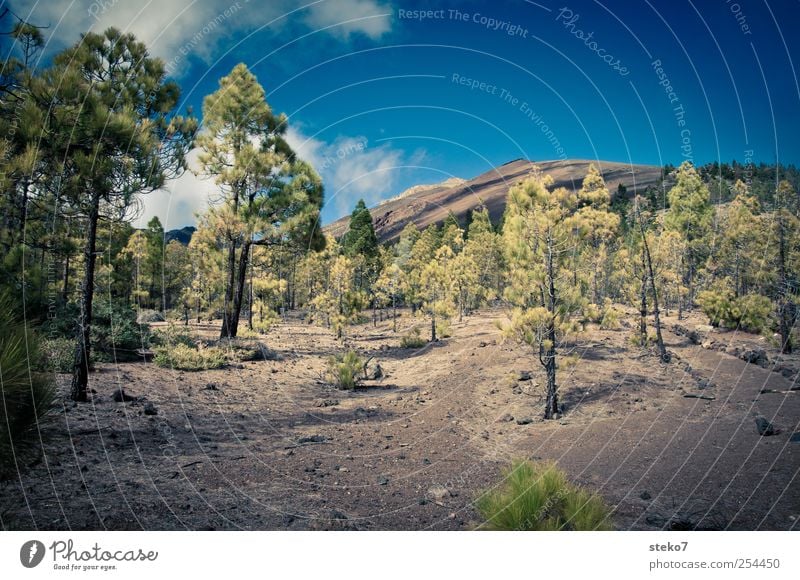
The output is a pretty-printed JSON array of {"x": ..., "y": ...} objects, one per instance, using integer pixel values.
[{"x": 381, "y": 96}]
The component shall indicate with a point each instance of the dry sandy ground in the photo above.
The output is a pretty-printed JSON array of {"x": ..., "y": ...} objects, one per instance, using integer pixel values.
[{"x": 271, "y": 446}]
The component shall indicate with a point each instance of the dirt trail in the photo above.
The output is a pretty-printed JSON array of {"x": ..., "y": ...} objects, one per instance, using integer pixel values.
[{"x": 270, "y": 446}]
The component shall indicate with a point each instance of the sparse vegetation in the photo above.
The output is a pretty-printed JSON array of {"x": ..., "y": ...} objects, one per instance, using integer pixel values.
[
  {"x": 186, "y": 358},
  {"x": 345, "y": 370},
  {"x": 576, "y": 263},
  {"x": 413, "y": 339},
  {"x": 26, "y": 394},
  {"x": 536, "y": 496}
]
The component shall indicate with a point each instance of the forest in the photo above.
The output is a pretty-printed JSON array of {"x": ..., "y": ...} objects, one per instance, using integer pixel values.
[{"x": 711, "y": 251}]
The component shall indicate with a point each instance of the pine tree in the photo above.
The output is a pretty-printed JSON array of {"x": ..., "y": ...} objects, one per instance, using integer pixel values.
[
  {"x": 642, "y": 222},
  {"x": 155, "y": 262},
  {"x": 690, "y": 214},
  {"x": 594, "y": 222},
  {"x": 484, "y": 247},
  {"x": 539, "y": 241},
  {"x": 114, "y": 134},
  {"x": 268, "y": 197},
  {"x": 436, "y": 288},
  {"x": 786, "y": 227}
]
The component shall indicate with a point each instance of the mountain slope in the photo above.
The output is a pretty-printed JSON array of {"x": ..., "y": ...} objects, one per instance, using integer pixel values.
[{"x": 424, "y": 205}]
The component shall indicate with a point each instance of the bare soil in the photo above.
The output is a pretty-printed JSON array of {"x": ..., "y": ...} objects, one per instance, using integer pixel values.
[{"x": 270, "y": 445}]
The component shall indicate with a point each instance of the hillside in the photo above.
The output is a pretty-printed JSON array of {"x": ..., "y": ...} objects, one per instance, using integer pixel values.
[{"x": 425, "y": 205}]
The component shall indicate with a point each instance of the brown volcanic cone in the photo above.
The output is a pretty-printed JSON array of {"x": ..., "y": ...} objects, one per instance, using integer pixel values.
[{"x": 429, "y": 204}]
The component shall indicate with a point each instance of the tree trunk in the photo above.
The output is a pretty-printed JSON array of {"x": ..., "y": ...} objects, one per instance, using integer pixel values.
[
  {"x": 433, "y": 318},
  {"x": 662, "y": 351},
  {"x": 227, "y": 305},
  {"x": 238, "y": 297},
  {"x": 394, "y": 313},
  {"x": 549, "y": 358},
  {"x": 784, "y": 308},
  {"x": 250, "y": 301},
  {"x": 643, "y": 306},
  {"x": 80, "y": 369},
  {"x": 65, "y": 287}
]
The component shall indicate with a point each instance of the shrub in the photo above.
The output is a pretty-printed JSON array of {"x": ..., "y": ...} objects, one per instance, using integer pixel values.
[
  {"x": 754, "y": 313},
  {"x": 242, "y": 349},
  {"x": 144, "y": 316},
  {"x": 344, "y": 370},
  {"x": 592, "y": 313},
  {"x": 750, "y": 313},
  {"x": 26, "y": 396},
  {"x": 186, "y": 358},
  {"x": 173, "y": 335},
  {"x": 538, "y": 496},
  {"x": 413, "y": 339},
  {"x": 716, "y": 305},
  {"x": 58, "y": 354},
  {"x": 443, "y": 328},
  {"x": 115, "y": 333},
  {"x": 609, "y": 317}
]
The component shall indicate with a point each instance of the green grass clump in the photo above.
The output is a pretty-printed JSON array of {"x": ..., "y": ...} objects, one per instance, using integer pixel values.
[
  {"x": 26, "y": 395},
  {"x": 186, "y": 358},
  {"x": 413, "y": 339},
  {"x": 536, "y": 496},
  {"x": 344, "y": 370}
]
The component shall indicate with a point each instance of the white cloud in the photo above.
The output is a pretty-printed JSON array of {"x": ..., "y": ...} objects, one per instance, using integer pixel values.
[
  {"x": 171, "y": 28},
  {"x": 352, "y": 168},
  {"x": 351, "y": 16},
  {"x": 177, "y": 204}
]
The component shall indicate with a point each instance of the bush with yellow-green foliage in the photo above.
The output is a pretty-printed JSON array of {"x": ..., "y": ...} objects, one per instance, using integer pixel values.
[
  {"x": 345, "y": 370},
  {"x": 172, "y": 335},
  {"x": 186, "y": 358},
  {"x": 413, "y": 339},
  {"x": 609, "y": 316},
  {"x": 536, "y": 496},
  {"x": 754, "y": 313},
  {"x": 751, "y": 312}
]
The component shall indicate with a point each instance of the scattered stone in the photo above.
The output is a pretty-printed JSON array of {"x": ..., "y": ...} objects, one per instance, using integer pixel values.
[
  {"x": 212, "y": 387},
  {"x": 383, "y": 480},
  {"x": 524, "y": 376},
  {"x": 373, "y": 371},
  {"x": 505, "y": 418},
  {"x": 326, "y": 403},
  {"x": 645, "y": 495},
  {"x": 120, "y": 396},
  {"x": 312, "y": 439},
  {"x": 525, "y": 420},
  {"x": 362, "y": 412},
  {"x": 756, "y": 356},
  {"x": 764, "y": 427},
  {"x": 438, "y": 492},
  {"x": 150, "y": 409}
]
